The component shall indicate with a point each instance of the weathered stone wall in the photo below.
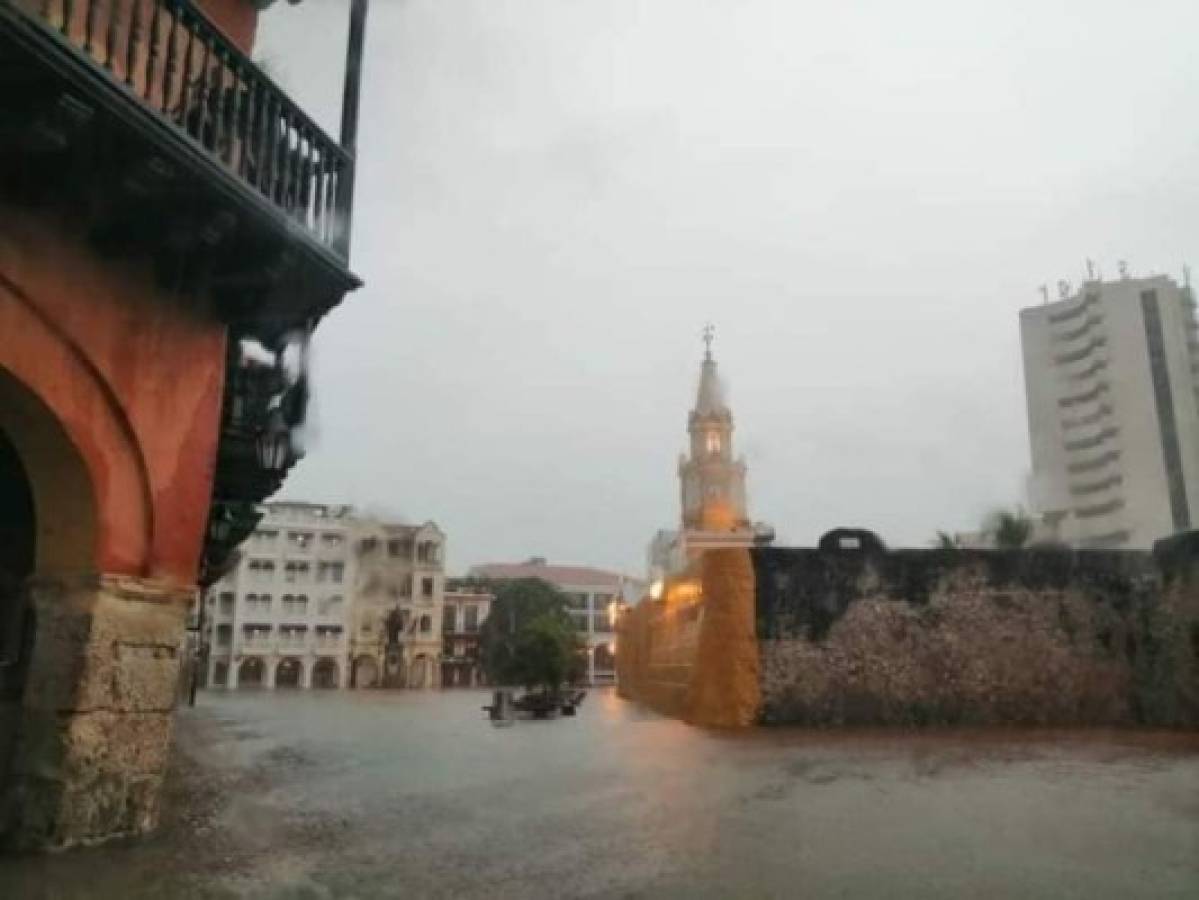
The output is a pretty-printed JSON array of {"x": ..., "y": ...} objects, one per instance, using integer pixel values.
[
  {"x": 656, "y": 648},
  {"x": 693, "y": 654},
  {"x": 836, "y": 636},
  {"x": 912, "y": 637},
  {"x": 95, "y": 726}
]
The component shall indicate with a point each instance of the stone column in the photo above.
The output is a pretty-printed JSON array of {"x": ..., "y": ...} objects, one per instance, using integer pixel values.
[
  {"x": 269, "y": 662},
  {"x": 234, "y": 671},
  {"x": 95, "y": 728},
  {"x": 306, "y": 667}
]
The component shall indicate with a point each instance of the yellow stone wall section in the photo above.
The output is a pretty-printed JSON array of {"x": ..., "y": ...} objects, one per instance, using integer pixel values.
[
  {"x": 724, "y": 681},
  {"x": 694, "y": 655}
]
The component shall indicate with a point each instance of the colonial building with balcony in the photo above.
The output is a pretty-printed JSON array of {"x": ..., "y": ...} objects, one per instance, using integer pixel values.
[
  {"x": 321, "y": 597},
  {"x": 173, "y": 227},
  {"x": 399, "y": 591},
  {"x": 280, "y": 618},
  {"x": 467, "y": 605}
]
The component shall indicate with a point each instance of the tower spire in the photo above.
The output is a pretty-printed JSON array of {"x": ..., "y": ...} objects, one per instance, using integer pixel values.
[{"x": 709, "y": 336}]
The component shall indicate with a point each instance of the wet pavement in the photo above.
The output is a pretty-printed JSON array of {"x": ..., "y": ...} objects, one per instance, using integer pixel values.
[{"x": 371, "y": 794}]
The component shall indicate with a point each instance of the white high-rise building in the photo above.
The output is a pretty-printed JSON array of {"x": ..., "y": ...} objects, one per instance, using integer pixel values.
[{"x": 1112, "y": 384}]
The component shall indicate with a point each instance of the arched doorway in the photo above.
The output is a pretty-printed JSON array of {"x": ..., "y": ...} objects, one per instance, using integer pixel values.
[
  {"x": 605, "y": 663},
  {"x": 220, "y": 674},
  {"x": 289, "y": 673},
  {"x": 16, "y": 615},
  {"x": 366, "y": 672},
  {"x": 59, "y": 523},
  {"x": 47, "y": 526},
  {"x": 324, "y": 673},
  {"x": 251, "y": 673}
]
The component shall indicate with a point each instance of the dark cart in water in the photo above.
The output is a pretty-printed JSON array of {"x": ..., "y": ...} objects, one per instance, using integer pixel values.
[{"x": 538, "y": 704}]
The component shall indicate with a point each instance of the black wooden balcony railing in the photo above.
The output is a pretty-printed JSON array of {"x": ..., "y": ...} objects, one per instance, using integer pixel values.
[{"x": 175, "y": 61}]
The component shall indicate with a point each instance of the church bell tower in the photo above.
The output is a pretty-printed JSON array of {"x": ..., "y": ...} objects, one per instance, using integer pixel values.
[{"x": 712, "y": 481}]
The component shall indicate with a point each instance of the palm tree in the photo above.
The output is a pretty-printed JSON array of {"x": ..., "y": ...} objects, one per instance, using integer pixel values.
[{"x": 1011, "y": 529}]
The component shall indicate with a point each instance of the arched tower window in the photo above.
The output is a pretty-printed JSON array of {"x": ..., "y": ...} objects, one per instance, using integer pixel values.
[{"x": 713, "y": 443}]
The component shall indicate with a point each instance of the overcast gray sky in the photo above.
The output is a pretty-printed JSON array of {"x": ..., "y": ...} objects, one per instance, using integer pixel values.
[{"x": 555, "y": 195}]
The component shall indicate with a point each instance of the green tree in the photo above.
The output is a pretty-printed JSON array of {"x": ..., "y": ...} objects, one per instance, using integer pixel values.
[
  {"x": 544, "y": 654},
  {"x": 1010, "y": 529},
  {"x": 529, "y": 637}
]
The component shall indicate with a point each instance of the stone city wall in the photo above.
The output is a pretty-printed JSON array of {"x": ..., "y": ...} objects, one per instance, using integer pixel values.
[
  {"x": 692, "y": 654},
  {"x": 858, "y": 635}
]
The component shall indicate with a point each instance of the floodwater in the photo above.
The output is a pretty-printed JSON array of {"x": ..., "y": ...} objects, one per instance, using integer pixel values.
[{"x": 372, "y": 794}]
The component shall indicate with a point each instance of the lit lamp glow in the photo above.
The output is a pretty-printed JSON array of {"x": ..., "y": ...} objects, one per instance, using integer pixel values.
[{"x": 655, "y": 590}]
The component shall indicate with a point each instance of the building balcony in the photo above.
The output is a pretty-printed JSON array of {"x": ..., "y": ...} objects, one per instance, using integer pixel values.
[{"x": 144, "y": 119}]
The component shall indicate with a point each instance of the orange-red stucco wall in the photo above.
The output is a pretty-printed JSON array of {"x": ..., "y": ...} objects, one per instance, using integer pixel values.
[
  {"x": 134, "y": 375},
  {"x": 237, "y": 18}
]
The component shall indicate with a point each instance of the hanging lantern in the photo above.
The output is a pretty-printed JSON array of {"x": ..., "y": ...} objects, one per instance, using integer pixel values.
[{"x": 273, "y": 446}]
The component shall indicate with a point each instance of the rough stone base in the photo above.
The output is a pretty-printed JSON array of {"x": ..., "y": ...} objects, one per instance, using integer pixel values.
[{"x": 95, "y": 728}]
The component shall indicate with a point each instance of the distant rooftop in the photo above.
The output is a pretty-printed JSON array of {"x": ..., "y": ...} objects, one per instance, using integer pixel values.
[
  {"x": 321, "y": 510},
  {"x": 561, "y": 576}
]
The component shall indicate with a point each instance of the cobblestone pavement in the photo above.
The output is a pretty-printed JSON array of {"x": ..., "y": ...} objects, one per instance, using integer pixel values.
[{"x": 363, "y": 795}]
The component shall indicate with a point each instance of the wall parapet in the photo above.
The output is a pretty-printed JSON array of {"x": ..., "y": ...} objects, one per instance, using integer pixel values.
[{"x": 853, "y": 634}]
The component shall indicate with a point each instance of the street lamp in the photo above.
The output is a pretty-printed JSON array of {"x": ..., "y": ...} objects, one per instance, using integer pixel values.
[
  {"x": 221, "y": 526},
  {"x": 273, "y": 445}
]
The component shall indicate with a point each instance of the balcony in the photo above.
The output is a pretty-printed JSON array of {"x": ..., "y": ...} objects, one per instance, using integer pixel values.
[{"x": 142, "y": 119}]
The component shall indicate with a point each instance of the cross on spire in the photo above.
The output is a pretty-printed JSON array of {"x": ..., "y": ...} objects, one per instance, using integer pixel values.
[{"x": 709, "y": 335}]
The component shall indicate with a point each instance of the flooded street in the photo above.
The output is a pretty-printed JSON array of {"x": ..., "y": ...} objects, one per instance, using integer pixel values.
[{"x": 416, "y": 795}]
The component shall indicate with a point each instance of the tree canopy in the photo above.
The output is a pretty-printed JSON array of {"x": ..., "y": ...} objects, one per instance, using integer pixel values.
[{"x": 528, "y": 637}]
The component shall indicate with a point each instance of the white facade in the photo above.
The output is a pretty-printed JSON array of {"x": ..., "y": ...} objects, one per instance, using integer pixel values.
[
  {"x": 1112, "y": 381},
  {"x": 281, "y": 616},
  {"x": 309, "y": 601}
]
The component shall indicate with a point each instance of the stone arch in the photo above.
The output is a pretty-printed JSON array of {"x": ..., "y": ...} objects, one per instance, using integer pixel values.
[
  {"x": 289, "y": 673},
  {"x": 65, "y": 523},
  {"x": 366, "y": 672},
  {"x": 48, "y": 525},
  {"x": 252, "y": 672},
  {"x": 48, "y": 379},
  {"x": 324, "y": 673}
]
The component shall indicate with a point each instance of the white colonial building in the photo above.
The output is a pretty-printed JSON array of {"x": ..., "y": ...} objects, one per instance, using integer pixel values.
[{"x": 311, "y": 598}]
